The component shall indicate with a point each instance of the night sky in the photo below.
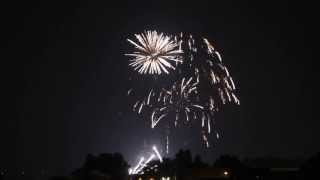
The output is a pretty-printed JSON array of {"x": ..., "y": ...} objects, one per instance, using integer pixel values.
[{"x": 65, "y": 79}]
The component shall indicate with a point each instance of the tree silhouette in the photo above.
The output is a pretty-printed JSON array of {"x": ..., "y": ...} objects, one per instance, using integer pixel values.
[
  {"x": 105, "y": 165},
  {"x": 59, "y": 178},
  {"x": 198, "y": 163},
  {"x": 311, "y": 167},
  {"x": 166, "y": 167},
  {"x": 182, "y": 162}
]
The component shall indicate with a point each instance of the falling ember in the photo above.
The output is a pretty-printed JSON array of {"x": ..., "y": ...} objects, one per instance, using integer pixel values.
[
  {"x": 167, "y": 145},
  {"x": 205, "y": 139},
  {"x": 129, "y": 91},
  {"x": 209, "y": 126}
]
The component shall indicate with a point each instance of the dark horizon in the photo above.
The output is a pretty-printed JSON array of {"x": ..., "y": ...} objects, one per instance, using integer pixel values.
[{"x": 66, "y": 79}]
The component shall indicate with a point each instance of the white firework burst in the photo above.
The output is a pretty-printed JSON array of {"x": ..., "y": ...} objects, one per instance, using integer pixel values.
[{"x": 155, "y": 54}]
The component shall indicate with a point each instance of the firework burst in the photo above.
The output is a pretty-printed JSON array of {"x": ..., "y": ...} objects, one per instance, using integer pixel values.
[
  {"x": 198, "y": 88},
  {"x": 155, "y": 53}
]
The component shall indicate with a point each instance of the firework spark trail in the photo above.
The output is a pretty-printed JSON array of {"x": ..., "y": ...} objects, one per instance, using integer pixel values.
[
  {"x": 205, "y": 139},
  {"x": 167, "y": 144},
  {"x": 143, "y": 165},
  {"x": 134, "y": 171},
  {"x": 150, "y": 158},
  {"x": 200, "y": 84},
  {"x": 157, "y": 153}
]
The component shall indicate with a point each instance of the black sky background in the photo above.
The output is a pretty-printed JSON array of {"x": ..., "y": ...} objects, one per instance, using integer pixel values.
[{"x": 65, "y": 78}]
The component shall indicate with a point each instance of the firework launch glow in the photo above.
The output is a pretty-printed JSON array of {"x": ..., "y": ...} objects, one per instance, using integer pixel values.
[
  {"x": 138, "y": 169},
  {"x": 196, "y": 88}
]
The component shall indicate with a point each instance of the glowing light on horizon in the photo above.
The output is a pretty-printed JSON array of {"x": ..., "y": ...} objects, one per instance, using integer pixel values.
[{"x": 142, "y": 163}]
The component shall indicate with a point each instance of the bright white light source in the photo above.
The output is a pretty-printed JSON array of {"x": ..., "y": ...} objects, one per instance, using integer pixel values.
[{"x": 225, "y": 173}]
